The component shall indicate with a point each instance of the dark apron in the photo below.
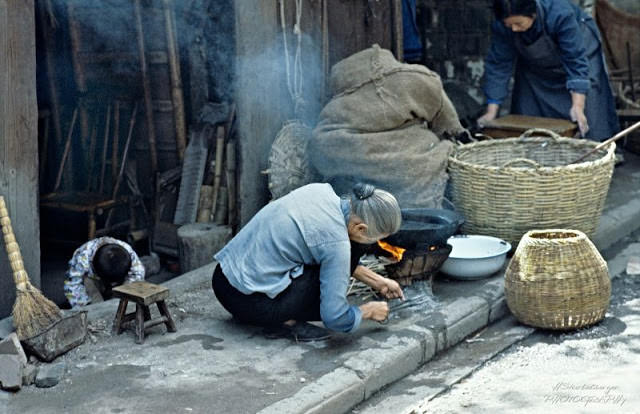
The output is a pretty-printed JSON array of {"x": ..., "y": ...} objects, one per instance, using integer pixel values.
[{"x": 540, "y": 81}]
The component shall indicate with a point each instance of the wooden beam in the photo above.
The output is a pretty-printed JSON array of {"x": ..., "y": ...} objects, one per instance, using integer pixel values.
[{"x": 19, "y": 138}]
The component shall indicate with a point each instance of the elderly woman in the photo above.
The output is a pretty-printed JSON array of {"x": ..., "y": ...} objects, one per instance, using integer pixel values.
[
  {"x": 559, "y": 67},
  {"x": 291, "y": 263}
]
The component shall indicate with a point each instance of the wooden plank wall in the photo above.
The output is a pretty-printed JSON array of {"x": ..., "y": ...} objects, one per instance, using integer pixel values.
[
  {"x": 260, "y": 85},
  {"x": 18, "y": 140}
]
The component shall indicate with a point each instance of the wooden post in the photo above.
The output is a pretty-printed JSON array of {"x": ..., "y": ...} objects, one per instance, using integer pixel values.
[{"x": 18, "y": 139}]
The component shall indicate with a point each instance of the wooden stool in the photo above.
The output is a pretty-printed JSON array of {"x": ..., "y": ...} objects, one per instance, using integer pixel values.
[{"x": 142, "y": 294}]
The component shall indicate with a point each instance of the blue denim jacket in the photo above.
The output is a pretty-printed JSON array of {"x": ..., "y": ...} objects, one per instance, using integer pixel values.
[
  {"x": 562, "y": 22},
  {"x": 307, "y": 226}
]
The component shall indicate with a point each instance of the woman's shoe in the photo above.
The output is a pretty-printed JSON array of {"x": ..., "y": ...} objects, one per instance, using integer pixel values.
[
  {"x": 299, "y": 332},
  {"x": 306, "y": 332}
]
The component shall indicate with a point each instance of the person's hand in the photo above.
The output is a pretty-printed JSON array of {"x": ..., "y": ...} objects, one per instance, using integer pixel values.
[
  {"x": 390, "y": 289},
  {"x": 490, "y": 115},
  {"x": 576, "y": 113},
  {"x": 376, "y": 311}
]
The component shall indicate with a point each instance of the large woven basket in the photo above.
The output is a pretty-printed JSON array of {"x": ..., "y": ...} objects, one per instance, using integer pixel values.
[
  {"x": 506, "y": 187},
  {"x": 557, "y": 280}
]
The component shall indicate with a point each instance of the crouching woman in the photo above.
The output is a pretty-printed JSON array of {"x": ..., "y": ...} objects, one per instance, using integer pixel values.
[{"x": 292, "y": 262}]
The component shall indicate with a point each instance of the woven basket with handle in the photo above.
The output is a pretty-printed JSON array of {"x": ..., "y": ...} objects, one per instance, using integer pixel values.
[
  {"x": 506, "y": 187},
  {"x": 557, "y": 280}
]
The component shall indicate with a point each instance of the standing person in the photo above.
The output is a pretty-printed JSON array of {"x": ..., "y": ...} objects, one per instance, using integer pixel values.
[
  {"x": 559, "y": 66},
  {"x": 412, "y": 44},
  {"x": 292, "y": 262},
  {"x": 105, "y": 262}
]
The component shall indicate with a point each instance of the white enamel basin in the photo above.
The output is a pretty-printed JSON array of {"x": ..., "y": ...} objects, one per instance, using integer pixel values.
[{"x": 475, "y": 256}]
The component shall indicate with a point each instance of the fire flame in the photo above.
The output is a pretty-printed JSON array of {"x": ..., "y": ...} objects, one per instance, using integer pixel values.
[{"x": 397, "y": 252}]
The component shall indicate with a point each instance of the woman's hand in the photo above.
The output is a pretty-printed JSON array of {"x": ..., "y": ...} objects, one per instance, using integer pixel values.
[
  {"x": 375, "y": 311},
  {"x": 576, "y": 113},
  {"x": 390, "y": 289},
  {"x": 490, "y": 115}
]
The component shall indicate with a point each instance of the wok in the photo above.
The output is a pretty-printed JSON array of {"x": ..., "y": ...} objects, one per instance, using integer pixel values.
[{"x": 423, "y": 227}]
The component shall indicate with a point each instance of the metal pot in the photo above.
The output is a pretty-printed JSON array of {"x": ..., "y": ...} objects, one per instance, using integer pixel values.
[{"x": 475, "y": 257}]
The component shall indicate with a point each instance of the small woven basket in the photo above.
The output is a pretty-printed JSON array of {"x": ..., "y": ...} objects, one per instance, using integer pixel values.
[
  {"x": 557, "y": 280},
  {"x": 506, "y": 187},
  {"x": 289, "y": 165}
]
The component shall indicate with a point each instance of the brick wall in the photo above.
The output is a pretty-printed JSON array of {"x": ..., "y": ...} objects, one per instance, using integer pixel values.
[{"x": 455, "y": 38}]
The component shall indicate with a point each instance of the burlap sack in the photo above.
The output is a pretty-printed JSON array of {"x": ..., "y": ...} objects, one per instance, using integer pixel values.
[{"x": 381, "y": 126}]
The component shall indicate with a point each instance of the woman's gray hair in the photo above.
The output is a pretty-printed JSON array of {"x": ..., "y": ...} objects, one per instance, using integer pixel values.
[{"x": 378, "y": 209}]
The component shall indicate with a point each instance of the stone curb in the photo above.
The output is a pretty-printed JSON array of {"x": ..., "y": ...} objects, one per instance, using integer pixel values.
[
  {"x": 373, "y": 369},
  {"x": 369, "y": 371}
]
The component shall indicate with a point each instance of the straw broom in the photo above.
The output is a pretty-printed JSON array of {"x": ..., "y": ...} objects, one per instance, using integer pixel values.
[{"x": 32, "y": 312}]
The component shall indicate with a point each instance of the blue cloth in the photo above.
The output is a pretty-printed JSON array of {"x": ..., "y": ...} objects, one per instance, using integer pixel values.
[
  {"x": 411, "y": 35},
  {"x": 573, "y": 61},
  {"x": 307, "y": 226}
]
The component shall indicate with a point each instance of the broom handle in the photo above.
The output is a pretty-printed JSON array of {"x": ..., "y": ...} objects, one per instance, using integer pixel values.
[{"x": 20, "y": 276}]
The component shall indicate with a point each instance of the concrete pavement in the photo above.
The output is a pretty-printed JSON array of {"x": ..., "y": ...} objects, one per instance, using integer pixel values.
[{"x": 214, "y": 365}]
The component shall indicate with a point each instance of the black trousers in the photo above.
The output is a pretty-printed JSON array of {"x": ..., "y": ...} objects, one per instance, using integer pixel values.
[{"x": 299, "y": 301}]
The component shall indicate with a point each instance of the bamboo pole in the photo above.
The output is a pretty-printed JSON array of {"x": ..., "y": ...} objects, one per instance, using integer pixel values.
[
  {"x": 205, "y": 203},
  {"x": 67, "y": 150},
  {"x": 176, "y": 81},
  {"x": 115, "y": 143},
  {"x": 92, "y": 158},
  {"x": 105, "y": 145},
  {"x": 633, "y": 92},
  {"x": 231, "y": 181},
  {"x": 146, "y": 87},
  {"x": 218, "y": 171},
  {"x": 125, "y": 153},
  {"x": 397, "y": 34}
]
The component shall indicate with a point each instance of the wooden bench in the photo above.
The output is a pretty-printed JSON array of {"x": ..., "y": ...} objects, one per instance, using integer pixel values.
[
  {"x": 142, "y": 294},
  {"x": 511, "y": 126}
]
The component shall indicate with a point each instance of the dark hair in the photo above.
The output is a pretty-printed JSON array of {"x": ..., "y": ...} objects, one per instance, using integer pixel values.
[
  {"x": 363, "y": 191},
  {"x": 505, "y": 8},
  {"x": 111, "y": 263}
]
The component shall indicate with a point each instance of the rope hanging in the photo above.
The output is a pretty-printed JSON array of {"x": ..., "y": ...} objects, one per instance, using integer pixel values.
[{"x": 294, "y": 85}]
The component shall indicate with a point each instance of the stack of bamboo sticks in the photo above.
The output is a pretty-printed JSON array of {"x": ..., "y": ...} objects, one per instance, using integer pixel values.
[{"x": 219, "y": 190}]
